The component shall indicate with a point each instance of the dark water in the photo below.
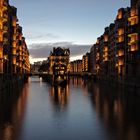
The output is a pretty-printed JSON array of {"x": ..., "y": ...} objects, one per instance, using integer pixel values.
[{"x": 78, "y": 111}]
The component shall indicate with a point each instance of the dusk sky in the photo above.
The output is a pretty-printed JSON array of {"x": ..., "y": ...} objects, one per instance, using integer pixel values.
[{"x": 68, "y": 23}]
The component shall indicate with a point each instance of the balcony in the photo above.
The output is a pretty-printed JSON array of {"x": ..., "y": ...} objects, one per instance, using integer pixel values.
[
  {"x": 133, "y": 48},
  {"x": 133, "y": 19},
  {"x": 133, "y": 42},
  {"x": 133, "y": 34},
  {"x": 133, "y": 12}
]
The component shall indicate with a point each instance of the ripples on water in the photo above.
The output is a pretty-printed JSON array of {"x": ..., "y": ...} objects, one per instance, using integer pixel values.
[{"x": 79, "y": 110}]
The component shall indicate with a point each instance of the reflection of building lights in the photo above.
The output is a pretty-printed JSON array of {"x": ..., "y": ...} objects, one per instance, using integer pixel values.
[
  {"x": 40, "y": 79},
  {"x": 8, "y": 132},
  {"x": 29, "y": 80}
]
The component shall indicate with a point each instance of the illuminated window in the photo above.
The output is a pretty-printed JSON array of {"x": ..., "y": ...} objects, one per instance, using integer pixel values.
[
  {"x": 120, "y": 52},
  {"x": 134, "y": 21},
  {"x": 120, "y": 39},
  {"x": 120, "y": 15},
  {"x": 133, "y": 12},
  {"x": 134, "y": 47},
  {"x": 0, "y": 54},
  {"x": 105, "y": 38},
  {"x": 106, "y": 54},
  {"x": 120, "y": 31},
  {"x": 14, "y": 61},
  {"x": 133, "y": 16},
  {"x": 121, "y": 62},
  {"x": 106, "y": 58},
  {"x": 105, "y": 49},
  {"x": 134, "y": 37},
  {"x": 14, "y": 51}
]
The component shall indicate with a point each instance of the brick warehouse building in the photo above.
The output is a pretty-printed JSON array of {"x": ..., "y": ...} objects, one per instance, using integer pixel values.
[
  {"x": 116, "y": 54},
  {"x": 14, "y": 54}
]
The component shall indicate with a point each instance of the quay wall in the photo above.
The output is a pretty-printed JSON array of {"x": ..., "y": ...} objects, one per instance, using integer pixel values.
[
  {"x": 9, "y": 82},
  {"x": 130, "y": 84}
]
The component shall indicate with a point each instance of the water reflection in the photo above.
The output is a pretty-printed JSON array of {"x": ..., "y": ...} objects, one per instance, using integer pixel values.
[
  {"x": 117, "y": 109},
  {"x": 82, "y": 109},
  {"x": 59, "y": 96},
  {"x": 76, "y": 82},
  {"x": 12, "y": 111}
]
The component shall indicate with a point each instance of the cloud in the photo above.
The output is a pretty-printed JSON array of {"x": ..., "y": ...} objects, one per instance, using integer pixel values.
[
  {"x": 42, "y": 36},
  {"x": 42, "y": 50}
]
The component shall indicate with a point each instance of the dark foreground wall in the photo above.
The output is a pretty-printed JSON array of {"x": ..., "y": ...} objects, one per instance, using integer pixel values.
[
  {"x": 10, "y": 82},
  {"x": 130, "y": 84}
]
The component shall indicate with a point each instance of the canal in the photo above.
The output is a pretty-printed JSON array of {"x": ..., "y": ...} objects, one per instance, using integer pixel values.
[{"x": 80, "y": 110}]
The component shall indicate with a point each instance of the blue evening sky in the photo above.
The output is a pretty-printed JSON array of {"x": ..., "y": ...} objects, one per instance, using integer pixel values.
[{"x": 75, "y": 21}]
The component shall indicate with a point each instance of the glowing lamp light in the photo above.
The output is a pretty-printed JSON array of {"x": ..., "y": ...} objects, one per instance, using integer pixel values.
[
  {"x": 120, "y": 63},
  {"x": 120, "y": 53}
]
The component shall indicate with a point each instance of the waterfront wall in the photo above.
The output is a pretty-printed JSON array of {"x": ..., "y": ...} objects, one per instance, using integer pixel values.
[
  {"x": 8, "y": 82},
  {"x": 129, "y": 83}
]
